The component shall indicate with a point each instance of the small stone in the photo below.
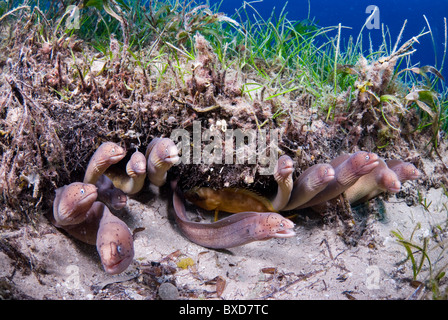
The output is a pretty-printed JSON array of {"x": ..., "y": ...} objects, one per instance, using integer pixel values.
[{"x": 168, "y": 291}]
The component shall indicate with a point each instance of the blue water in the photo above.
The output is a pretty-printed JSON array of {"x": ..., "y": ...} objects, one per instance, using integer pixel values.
[{"x": 392, "y": 13}]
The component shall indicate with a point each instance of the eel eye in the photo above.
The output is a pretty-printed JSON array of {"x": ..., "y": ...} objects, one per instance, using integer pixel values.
[
  {"x": 112, "y": 150},
  {"x": 367, "y": 158},
  {"x": 281, "y": 225},
  {"x": 82, "y": 191}
]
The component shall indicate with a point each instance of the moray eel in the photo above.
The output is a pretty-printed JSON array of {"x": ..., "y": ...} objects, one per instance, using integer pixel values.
[
  {"x": 114, "y": 243},
  {"x": 72, "y": 201},
  {"x": 312, "y": 181},
  {"x": 367, "y": 187},
  {"x": 404, "y": 170},
  {"x": 76, "y": 211},
  {"x": 134, "y": 179},
  {"x": 235, "y": 230},
  {"x": 234, "y": 200},
  {"x": 107, "y": 154},
  {"x": 348, "y": 169},
  {"x": 283, "y": 177},
  {"x": 161, "y": 155},
  {"x": 110, "y": 195}
]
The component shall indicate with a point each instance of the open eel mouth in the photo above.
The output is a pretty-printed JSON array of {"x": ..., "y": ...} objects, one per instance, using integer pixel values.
[
  {"x": 117, "y": 157},
  {"x": 286, "y": 229},
  {"x": 287, "y": 170},
  {"x": 172, "y": 157},
  {"x": 329, "y": 177},
  {"x": 394, "y": 188},
  {"x": 114, "y": 268},
  {"x": 286, "y": 233}
]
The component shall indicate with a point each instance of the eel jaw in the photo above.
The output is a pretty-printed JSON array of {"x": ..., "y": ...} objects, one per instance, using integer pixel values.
[
  {"x": 286, "y": 171},
  {"x": 329, "y": 177},
  {"x": 286, "y": 233},
  {"x": 172, "y": 155}
]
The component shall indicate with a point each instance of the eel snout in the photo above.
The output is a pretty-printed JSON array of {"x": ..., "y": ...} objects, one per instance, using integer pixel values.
[{"x": 365, "y": 162}]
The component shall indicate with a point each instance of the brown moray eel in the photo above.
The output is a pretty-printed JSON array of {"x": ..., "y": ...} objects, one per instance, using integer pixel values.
[
  {"x": 231, "y": 200},
  {"x": 404, "y": 170},
  {"x": 134, "y": 179},
  {"x": 72, "y": 201},
  {"x": 283, "y": 177},
  {"x": 235, "y": 230},
  {"x": 110, "y": 195},
  {"x": 348, "y": 169},
  {"x": 108, "y": 153},
  {"x": 312, "y": 181},
  {"x": 114, "y": 243},
  {"x": 234, "y": 200},
  {"x": 161, "y": 155},
  {"x": 97, "y": 226},
  {"x": 367, "y": 187}
]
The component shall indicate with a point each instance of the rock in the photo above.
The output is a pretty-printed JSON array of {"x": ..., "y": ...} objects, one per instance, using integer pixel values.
[{"x": 168, "y": 291}]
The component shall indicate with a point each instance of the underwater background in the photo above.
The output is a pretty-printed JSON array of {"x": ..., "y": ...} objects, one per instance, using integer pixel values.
[{"x": 352, "y": 15}]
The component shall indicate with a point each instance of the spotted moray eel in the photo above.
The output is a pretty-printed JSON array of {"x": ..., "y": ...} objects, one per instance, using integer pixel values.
[
  {"x": 348, "y": 169},
  {"x": 381, "y": 179},
  {"x": 134, "y": 179},
  {"x": 76, "y": 210},
  {"x": 234, "y": 200},
  {"x": 114, "y": 243},
  {"x": 312, "y": 181},
  {"x": 72, "y": 202},
  {"x": 107, "y": 154},
  {"x": 161, "y": 154},
  {"x": 236, "y": 230},
  {"x": 404, "y": 170}
]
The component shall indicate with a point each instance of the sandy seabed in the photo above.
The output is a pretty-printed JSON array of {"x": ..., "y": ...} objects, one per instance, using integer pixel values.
[{"x": 315, "y": 264}]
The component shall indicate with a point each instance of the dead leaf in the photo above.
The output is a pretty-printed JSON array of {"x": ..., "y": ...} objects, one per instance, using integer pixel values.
[{"x": 220, "y": 285}]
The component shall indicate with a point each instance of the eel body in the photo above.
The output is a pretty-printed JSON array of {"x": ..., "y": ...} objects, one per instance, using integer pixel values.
[
  {"x": 234, "y": 200},
  {"x": 107, "y": 154},
  {"x": 283, "y": 177},
  {"x": 76, "y": 211},
  {"x": 231, "y": 200},
  {"x": 235, "y": 230},
  {"x": 380, "y": 179},
  {"x": 312, "y": 181},
  {"x": 87, "y": 230},
  {"x": 161, "y": 154},
  {"x": 348, "y": 169},
  {"x": 133, "y": 180}
]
